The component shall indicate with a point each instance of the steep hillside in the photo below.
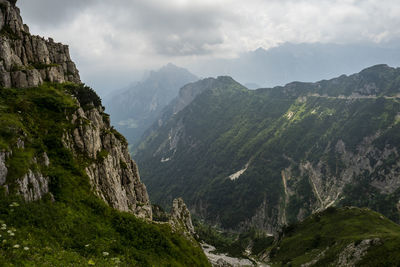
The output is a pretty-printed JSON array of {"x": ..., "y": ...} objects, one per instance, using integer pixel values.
[
  {"x": 269, "y": 157},
  {"x": 135, "y": 109},
  {"x": 338, "y": 237},
  {"x": 70, "y": 194}
]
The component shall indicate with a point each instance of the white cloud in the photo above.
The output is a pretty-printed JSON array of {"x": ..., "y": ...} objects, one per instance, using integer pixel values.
[{"x": 123, "y": 36}]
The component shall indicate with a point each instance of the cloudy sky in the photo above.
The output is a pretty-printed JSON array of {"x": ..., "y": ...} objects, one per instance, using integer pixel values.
[{"x": 112, "y": 42}]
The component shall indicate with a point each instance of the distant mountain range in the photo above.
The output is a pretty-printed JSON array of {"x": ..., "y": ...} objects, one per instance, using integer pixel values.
[
  {"x": 134, "y": 109},
  {"x": 308, "y": 62},
  {"x": 264, "y": 158}
]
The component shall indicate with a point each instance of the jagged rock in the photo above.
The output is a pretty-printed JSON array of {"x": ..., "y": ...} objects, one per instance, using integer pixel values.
[
  {"x": 353, "y": 253},
  {"x": 222, "y": 263},
  {"x": 33, "y": 186},
  {"x": 12, "y": 2},
  {"x": 46, "y": 160},
  {"x": 181, "y": 218},
  {"x": 114, "y": 175},
  {"x": 26, "y": 60},
  {"x": 3, "y": 168}
]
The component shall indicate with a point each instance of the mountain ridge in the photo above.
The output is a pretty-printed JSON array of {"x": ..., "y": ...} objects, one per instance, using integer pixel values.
[
  {"x": 137, "y": 107},
  {"x": 278, "y": 143}
]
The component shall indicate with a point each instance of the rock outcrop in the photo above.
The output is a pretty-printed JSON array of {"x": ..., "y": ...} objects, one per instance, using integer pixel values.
[
  {"x": 181, "y": 218},
  {"x": 353, "y": 253},
  {"x": 113, "y": 174},
  {"x": 27, "y": 60},
  {"x": 3, "y": 168},
  {"x": 33, "y": 186}
]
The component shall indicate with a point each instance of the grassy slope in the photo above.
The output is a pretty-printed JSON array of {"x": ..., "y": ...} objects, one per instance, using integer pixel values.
[
  {"x": 78, "y": 227},
  {"x": 337, "y": 228}
]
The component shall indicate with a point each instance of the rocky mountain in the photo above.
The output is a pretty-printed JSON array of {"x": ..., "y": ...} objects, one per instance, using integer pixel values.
[
  {"x": 307, "y": 62},
  {"x": 29, "y": 60},
  {"x": 70, "y": 194},
  {"x": 265, "y": 158},
  {"x": 136, "y": 108}
]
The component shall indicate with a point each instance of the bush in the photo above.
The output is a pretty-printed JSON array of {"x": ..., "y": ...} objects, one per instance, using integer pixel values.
[{"x": 86, "y": 96}]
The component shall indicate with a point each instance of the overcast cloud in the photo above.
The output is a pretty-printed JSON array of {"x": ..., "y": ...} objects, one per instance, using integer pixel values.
[{"x": 113, "y": 41}]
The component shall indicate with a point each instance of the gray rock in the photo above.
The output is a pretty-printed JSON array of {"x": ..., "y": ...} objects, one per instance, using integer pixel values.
[
  {"x": 3, "y": 168},
  {"x": 33, "y": 186},
  {"x": 180, "y": 217},
  {"x": 21, "y": 53},
  {"x": 353, "y": 253},
  {"x": 113, "y": 174},
  {"x": 46, "y": 160}
]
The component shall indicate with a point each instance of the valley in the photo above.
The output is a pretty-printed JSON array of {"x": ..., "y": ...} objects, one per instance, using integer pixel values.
[
  {"x": 190, "y": 171},
  {"x": 269, "y": 157}
]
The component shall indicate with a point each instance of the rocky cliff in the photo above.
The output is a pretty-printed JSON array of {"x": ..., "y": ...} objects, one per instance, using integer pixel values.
[
  {"x": 180, "y": 218},
  {"x": 113, "y": 174},
  {"x": 27, "y": 60},
  {"x": 69, "y": 190}
]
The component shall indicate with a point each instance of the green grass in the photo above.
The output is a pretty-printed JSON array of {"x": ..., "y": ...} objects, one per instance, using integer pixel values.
[
  {"x": 334, "y": 229},
  {"x": 70, "y": 226}
]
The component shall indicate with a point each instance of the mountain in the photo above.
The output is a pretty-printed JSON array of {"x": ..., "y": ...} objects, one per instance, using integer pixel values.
[
  {"x": 136, "y": 108},
  {"x": 346, "y": 236},
  {"x": 264, "y": 158},
  {"x": 70, "y": 194},
  {"x": 307, "y": 62},
  {"x": 338, "y": 237}
]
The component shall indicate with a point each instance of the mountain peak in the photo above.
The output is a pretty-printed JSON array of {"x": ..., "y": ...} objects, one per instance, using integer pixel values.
[{"x": 27, "y": 60}]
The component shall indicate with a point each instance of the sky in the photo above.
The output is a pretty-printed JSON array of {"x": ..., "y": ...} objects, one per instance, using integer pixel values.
[{"x": 113, "y": 42}]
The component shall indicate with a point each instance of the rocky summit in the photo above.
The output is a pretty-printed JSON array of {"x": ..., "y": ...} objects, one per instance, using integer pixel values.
[{"x": 27, "y": 60}]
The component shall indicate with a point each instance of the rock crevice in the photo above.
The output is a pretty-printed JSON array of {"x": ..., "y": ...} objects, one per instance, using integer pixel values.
[{"x": 113, "y": 174}]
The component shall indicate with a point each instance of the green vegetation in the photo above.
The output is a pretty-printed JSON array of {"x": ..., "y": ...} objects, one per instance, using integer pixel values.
[
  {"x": 228, "y": 127},
  {"x": 86, "y": 96},
  {"x": 70, "y": 226},
  {"x": 324, "y": 236},
  {"x": 40, "y": 66}
]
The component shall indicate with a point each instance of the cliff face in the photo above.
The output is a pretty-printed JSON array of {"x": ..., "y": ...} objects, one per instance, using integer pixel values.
[
  {"x": 27, "y": 60},
  {"x": 113, "y": 174},
  {"x": 180, "y": 218}
]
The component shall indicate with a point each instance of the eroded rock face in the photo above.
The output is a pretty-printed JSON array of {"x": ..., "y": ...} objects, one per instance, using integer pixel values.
[
  {"x": 27, "y": 60},
  {"x": 181, "y": 218},
  {"x": 353, "y": 253},
  {"x": 113, "y": 174},
  {"x": 3, "y": 168},
  {"x": 33, "y": 186}
]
